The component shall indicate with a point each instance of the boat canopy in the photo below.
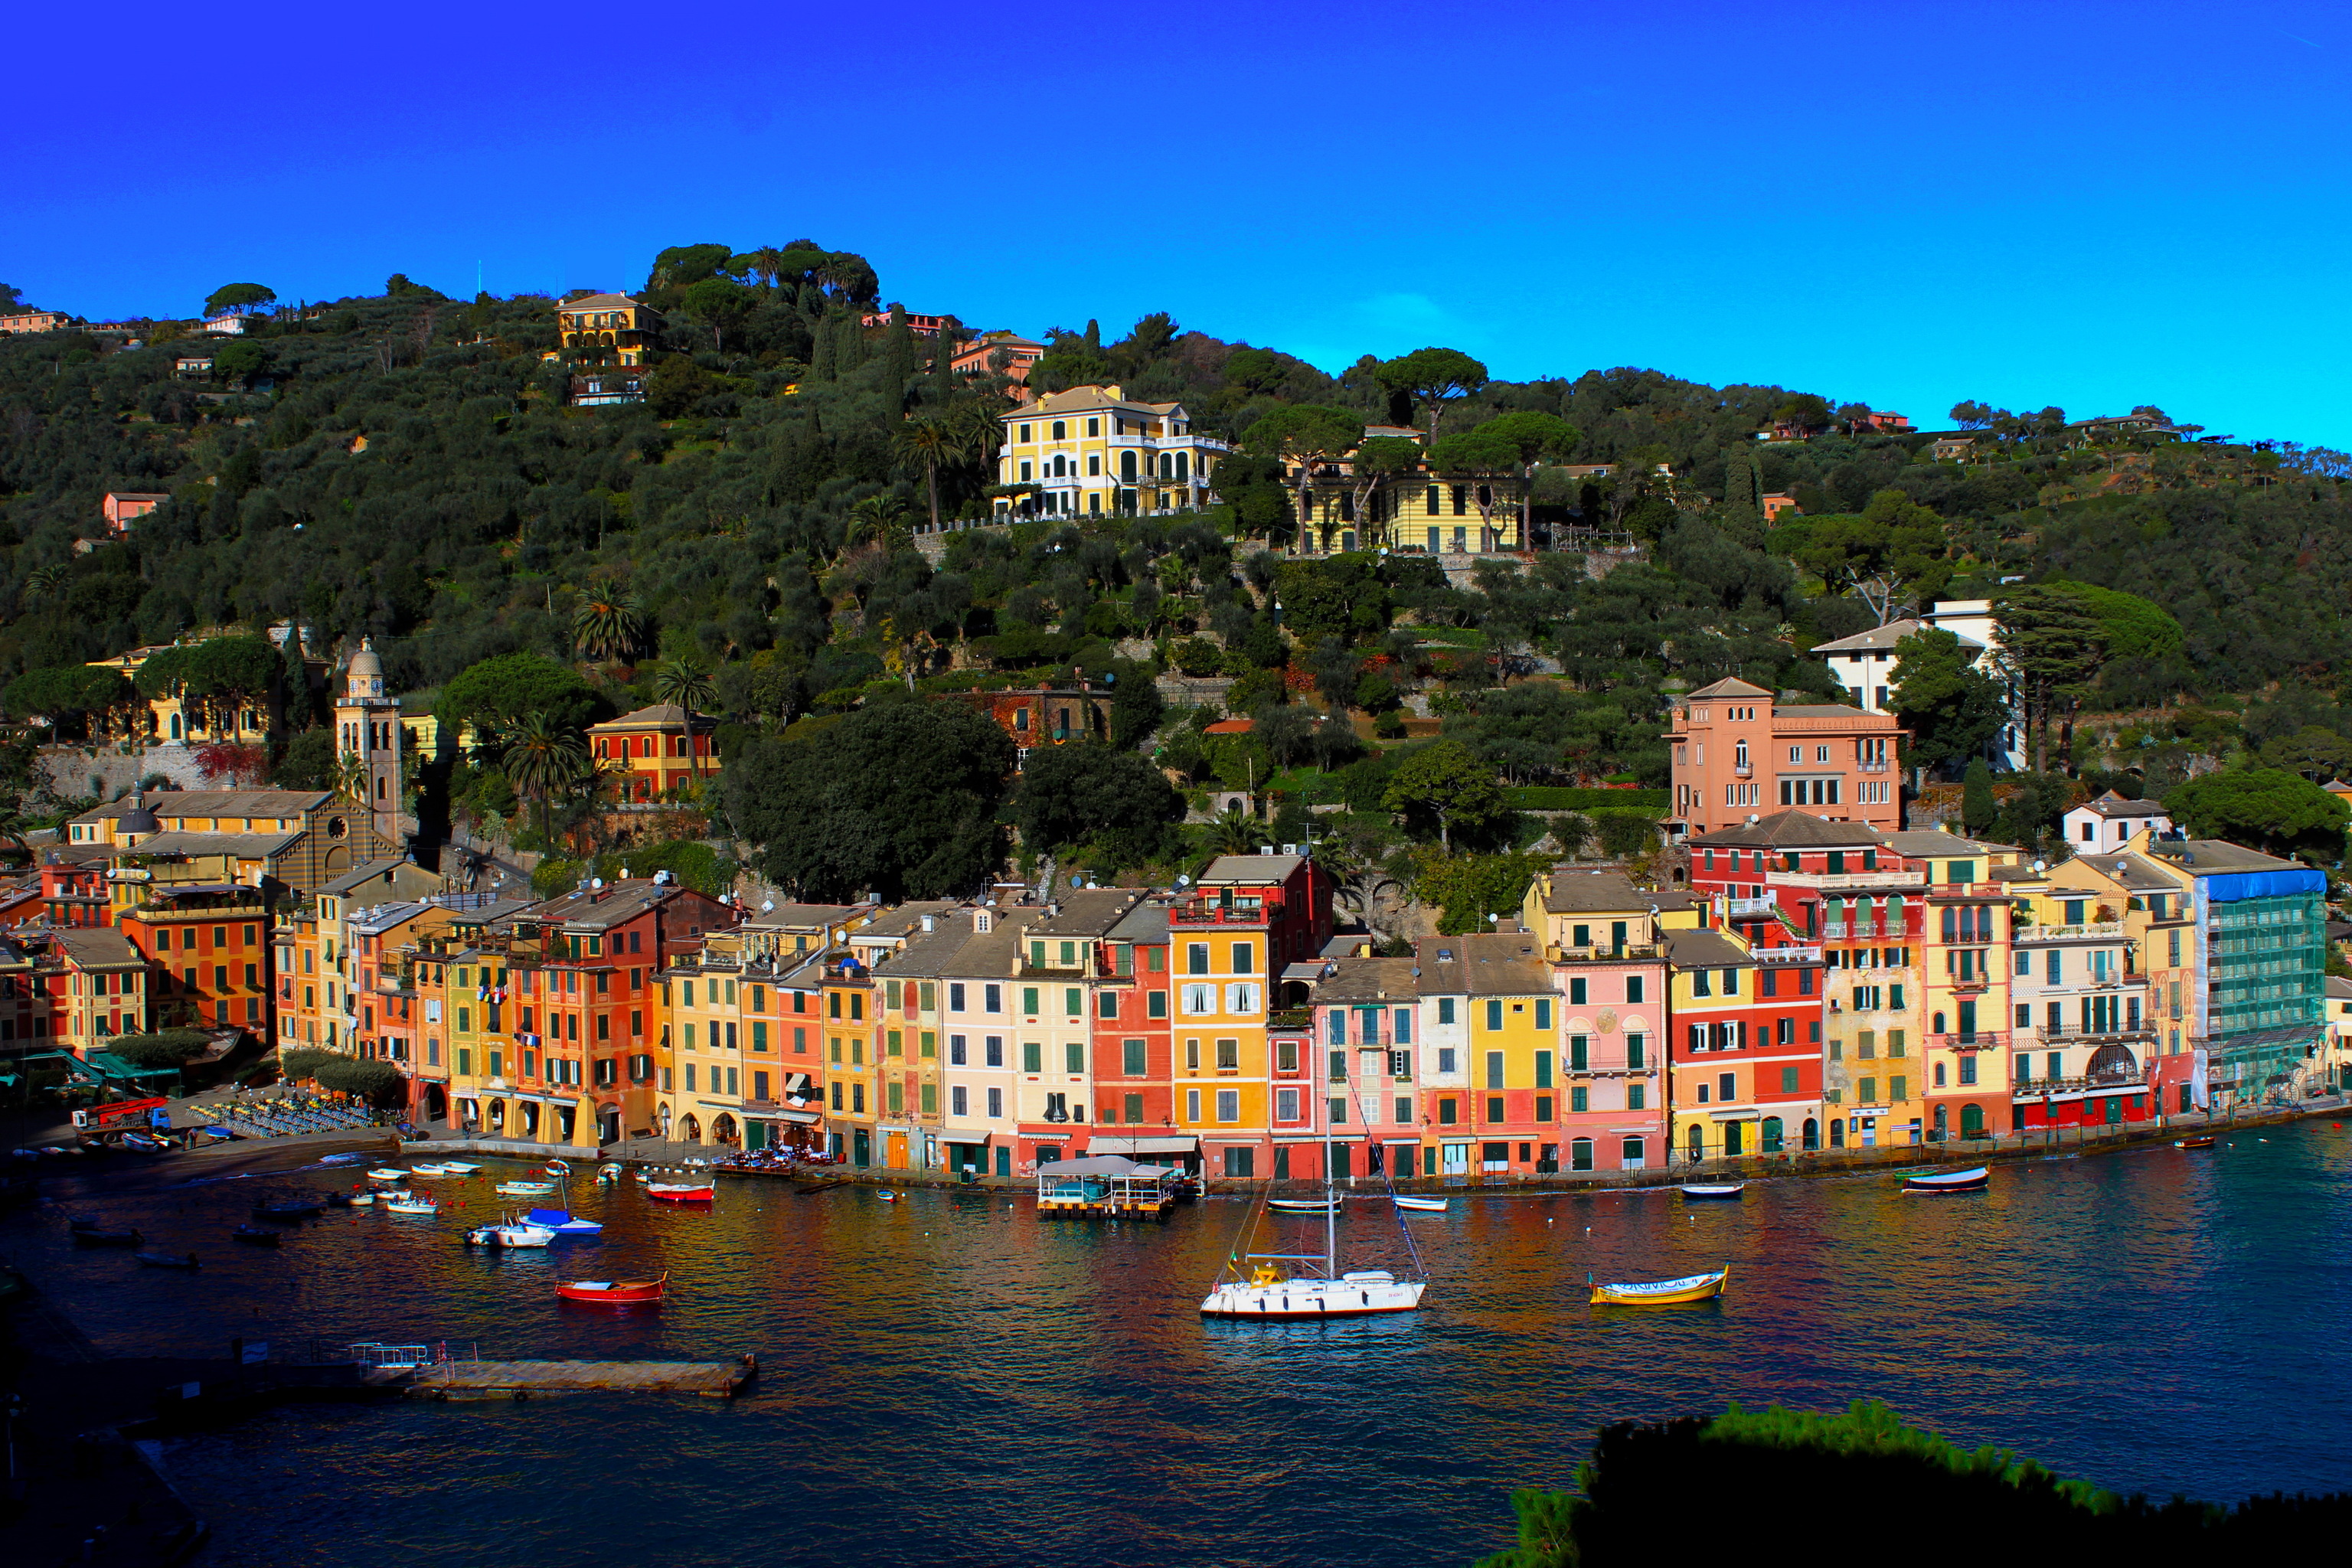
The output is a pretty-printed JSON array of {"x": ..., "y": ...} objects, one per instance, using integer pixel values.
[
  {"x": 1187, "y": 1144},
  {"x": 1103, "y": 1166}
]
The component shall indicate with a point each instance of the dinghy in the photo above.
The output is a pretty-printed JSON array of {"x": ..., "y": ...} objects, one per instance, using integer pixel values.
[
  {"x": 613, "y": 1292},
  {"x": 386, "y": 1173},
  {"x": 1421, "y": 1206},
  {"x": 525, "y": 1189},
  {"x": 412, "y": 1203},
  {"x": 1972, "y": 1180},
  {"x": 1714, "y": 1192},
  {"x": 169, "y": 1260},
  {"x": 509, "y": 1234},
  {"x": 673, "y": 1192},
  {"x": 1663, "y": 1292},
  {"x": 459, "y": 1167}
]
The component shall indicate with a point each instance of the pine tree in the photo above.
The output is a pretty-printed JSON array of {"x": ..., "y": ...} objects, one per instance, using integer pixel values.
[
  {"x": 821, "y": 361},
  {"x": 898, "y": 349}
]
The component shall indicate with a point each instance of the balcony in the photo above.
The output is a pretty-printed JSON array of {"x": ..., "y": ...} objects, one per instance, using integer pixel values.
[
  {"x": 1872, "y": 765},
  {"x": 2128, "y": 1030},
  {"x": 1982, "y": 1040},
  {"x": 1743, "y": 771},
  {"x": 2096, "y": 931},
  {"x": 1787, "y": 954},
  {"x": 1835, "y": 882},
  {"x": 1632, "y": 950},
  {"x": 1290, "y": 1018},
  {"x": 1209, "y": 912},
  {"x": 1751, "y": 908}
]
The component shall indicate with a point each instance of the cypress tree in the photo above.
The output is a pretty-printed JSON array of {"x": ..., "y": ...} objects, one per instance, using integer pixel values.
[
  {"x": 821, "y": 361},
  {"x": 1978, "y": 808},
  {"x": 898, "y": 350}
]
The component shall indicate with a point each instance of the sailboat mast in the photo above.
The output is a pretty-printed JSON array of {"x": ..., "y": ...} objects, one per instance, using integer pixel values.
[{"x": 1330, "y": 1195}]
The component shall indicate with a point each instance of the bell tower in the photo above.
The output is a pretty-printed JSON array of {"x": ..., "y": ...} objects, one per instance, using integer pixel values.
[{"x": 368, "y": 738}]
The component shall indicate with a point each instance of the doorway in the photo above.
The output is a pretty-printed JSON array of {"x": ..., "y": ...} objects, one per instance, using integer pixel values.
[{"x": 894, "y": 1150}]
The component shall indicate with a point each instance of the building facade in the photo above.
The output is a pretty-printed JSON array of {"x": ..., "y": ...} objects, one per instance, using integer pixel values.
[{"x": 1738, "y": 753}]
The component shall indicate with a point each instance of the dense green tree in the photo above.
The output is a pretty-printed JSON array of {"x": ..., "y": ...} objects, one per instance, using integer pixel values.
[
  {"x": 2051, "y": 648},
  {"x": 1979, "y": 809},
  {"x": 68, "y": 696},
  {"x": 720, "y": 304},
  {"x": 2266, "y": 807},
  {"x": 606, "y": 624},
  {"x": 897, "y": 801},
  {"x": 1431, "y": 378},
  {"x": 1468, "y": 887},
  {"x": 1951, "y": 708},
  {"x": 492, "y": 695},
  {"x": 1305, "y": 437},
  {"x": 1447, "y": 783},
  {"x": 240, "y": 298},
  {"x": 214, "y": 679},
  {"x": 1093, "y": 795}
]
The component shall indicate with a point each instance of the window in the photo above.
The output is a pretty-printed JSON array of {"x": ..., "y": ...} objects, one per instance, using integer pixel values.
[
  {"x": 1073, "y": 1056},
  {"x": 1446, "y": 1009},
  {"x": 1229, "y": 1105},
  {"x": 1637, "y": 1050},
  {"x": 1156, "y": 1002},
  {"x": 1134, "y": 1062},
  {"x": 1494, "y": 1015},
  {"x": 1637, "y": 1096},
  {"x": 1578, "y": 1055},
  {"x": 995, "y": 1047},
  {"x": 1447, "y": 1113},
  {"x": 1726, "y": 1087},
  {"x": 995, "y": 1104},
  {"x": 1028, "y": 1001},
  {"x": 1033, "y": 1057},
  {"x": 959, "y": 1103},
  {"x": 1579, "y": 1097},
  {"x": 1241, "y": 958},
  {"x": 1446, "y": 1059},
  {"x": 1787, "y": 1081},
  {"x": 1967, "y": 1070},
  {"x": 1543, "y": 1070},
  {"x": 1200, "y": 1000},
  {"x": 1229, "y": 1054},
  {"x": 955, "y": 997},
  {"x": 1633, "y": 988},
  {"x": 1196, "y": 958},
  {"x": 1241, "y": 1162},
  {"x": 1576, "y": 991},
  {"x": 1286, "y": 1105},
  {"x": 1493, "y": 1069}
]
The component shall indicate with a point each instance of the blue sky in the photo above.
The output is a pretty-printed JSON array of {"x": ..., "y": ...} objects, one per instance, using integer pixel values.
[{"x": 2091, "y": 205}]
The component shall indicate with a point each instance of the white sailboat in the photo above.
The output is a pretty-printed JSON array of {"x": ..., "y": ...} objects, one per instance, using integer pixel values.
[{"x": 1282, "y": 1286}]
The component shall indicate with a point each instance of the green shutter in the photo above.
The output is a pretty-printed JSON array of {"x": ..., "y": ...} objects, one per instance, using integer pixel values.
[{"x": 1033, "y": 1057}]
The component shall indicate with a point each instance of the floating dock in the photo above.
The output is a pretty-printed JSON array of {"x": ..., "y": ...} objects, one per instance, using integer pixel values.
[{"x": 522, "y": 1379}]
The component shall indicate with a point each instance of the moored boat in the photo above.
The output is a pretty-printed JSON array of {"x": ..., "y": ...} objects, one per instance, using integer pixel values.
[
  {"x": 1303, "y": 1206},
  {"x": 169, "y": 1260},
  {"x": 289, "y": 1209},
  {"x": 613, "y": 1292},
  {"x": 1972, "y": 1180},
  {"x": 558, "y": 1168},
  {"x": 257, "y": 1236},
  {"x": 1660, "y": 1292},
  {"x": 1714, "y": 1192},
  {"x": 525, "y": 1189},
  {"x": 387, "y": 1174},
  {"x": 677, "y": 1193},
  {"x": 363, "y": 1200},
  {"x": 412, "y": 1203},
  {"x": 2202, "y": 1141},
  {"x": 1421, "y": 1206},
  {"x": 563, "y": 1222},
  {"x": 509, "y": 1234},
  {"x": 428, "y": 1169},
  {"x": 107, "y": 1238},
  {"x": 459, "y": 1167}
]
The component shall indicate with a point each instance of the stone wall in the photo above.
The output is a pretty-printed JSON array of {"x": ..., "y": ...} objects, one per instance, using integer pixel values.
[{"x": 69, "y": 769}]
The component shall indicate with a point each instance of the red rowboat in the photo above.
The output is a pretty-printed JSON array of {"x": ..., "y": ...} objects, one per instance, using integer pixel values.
[
  {"x": 671, "y": 1192},
  {"x": 613, "y": 1292}
]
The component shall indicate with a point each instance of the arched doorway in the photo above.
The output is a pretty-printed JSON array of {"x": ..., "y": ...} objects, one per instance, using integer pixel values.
[
  {"x": 1972, "y": 1121},
  {"x": 436, "y": 1102},
  {"x": 1697, "y": 1143},
  {"x": 1813, "y": 1133},
  {"x": 722, "y": 1130},
  {"x": 691, "y": 1130},
  {"x": 530, "y": 1119},
  {"x": 665, "y": 1123},
  {"x": 1943, "y": 1128},
  {"x": 1837, "y": 1132},
  {"x": 608, "y": 1124},
  {"x": 498, "y": 1116},
  {"x": 1771, "y": 1135}
]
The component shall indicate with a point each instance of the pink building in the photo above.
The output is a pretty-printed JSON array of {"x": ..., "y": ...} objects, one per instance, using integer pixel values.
[
  {"x": 32, "y": 321},
  {"x": 1738, "y": 753},
  {"x": 121, "y": 506},
  {"x": 1000, "y": 353},
  {"x": 1605, "y": 940},
  {"x": 922, "y": 326}
]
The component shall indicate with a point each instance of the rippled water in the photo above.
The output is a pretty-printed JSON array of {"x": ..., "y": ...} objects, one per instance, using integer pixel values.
[{"x": 949, "y": 1379}]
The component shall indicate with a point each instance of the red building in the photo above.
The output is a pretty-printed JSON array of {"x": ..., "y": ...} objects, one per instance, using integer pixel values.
[
  {"x": 1135, "y": 1107},
  {"x": 1044, "y": 716},
  {"x": 1745, "y": 1049}
]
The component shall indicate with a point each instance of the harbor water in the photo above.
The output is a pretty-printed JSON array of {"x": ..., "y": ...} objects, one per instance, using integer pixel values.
[{"x": 949, "y": 1379}]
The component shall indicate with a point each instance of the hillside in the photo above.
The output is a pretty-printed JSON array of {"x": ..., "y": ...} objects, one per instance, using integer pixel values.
[{"x": 404, "y": 467}]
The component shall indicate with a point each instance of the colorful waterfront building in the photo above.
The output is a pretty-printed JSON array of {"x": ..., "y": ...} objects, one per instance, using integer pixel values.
[
  {"x": 1606, "y": 942},
  {"x": 1746, "y": 1047},
  {"x": 2257, "y": 1021},
  {"x": 2084, "y": 1014},
  {"x": 656, "y": 752},
  {"x": 1343, "y": 1075},
  {"x": 980, "y": 1076},
  {"x": 1964, "y": 950},
  {"x": 208, "y": 943},
  {"x": 1134, "y": 1044},
  {"x": 1737, "y": 752},
  {"x": 1247, "y": 919},
  {"x": 1062, "y": 982},
  {"x": 96, "y": 984}
]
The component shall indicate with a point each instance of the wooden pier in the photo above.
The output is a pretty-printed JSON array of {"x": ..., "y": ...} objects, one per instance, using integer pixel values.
[{"x": 523, "y": 1379}]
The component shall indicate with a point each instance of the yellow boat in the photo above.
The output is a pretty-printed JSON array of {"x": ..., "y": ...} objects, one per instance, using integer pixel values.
[{"x": 1664, "y": 1293}]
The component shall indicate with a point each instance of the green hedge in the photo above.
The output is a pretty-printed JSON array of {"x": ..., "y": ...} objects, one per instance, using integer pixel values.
[{"x": 1548, "y": 798}]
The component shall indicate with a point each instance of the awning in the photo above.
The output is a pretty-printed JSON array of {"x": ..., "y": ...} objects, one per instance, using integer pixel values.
[
  {"x": 1303, "y": 972},
  {"x": 954, "y": 1136},
  {"x": 1736, "y": 1113},
  {"x": 795, "y": 1082},
  {"x": 804, "y": 1117},
  {"x": 1188, "y": 1143}
]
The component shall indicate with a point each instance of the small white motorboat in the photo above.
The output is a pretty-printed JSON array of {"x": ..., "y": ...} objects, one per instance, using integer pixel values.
[
  {"x": 428, "y": 1169},
  {"x": 1421, "y": 1206},
  {"x": 525, "y": 1189},
  {"x": 1973, "y": 1180},
  {"x": 386, "y": 1173},
  {"x": 1713, "y": 1190},
  {"x": 509, "y": 1234},
  {"x": 1303, "y": 1206},
  {"x": 362, "y": 1200},
  {"x": 412, "y": 1203},
  {"x": 459, "y": 1167}
]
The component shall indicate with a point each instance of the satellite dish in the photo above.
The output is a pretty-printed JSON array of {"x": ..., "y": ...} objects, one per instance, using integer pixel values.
[
  {"x": 766, "y": 905},
  {"x": 1183, "y": 881},
  {"x": 595, "y": 881}
]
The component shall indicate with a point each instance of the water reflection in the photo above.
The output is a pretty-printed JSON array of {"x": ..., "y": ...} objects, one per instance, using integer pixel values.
[{"x": 950, "y": 1379}]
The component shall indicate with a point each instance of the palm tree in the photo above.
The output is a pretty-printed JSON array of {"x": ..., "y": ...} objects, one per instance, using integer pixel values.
[
  {"x": 350, "y": 778},
  {"x": 925, "y": 443},
  {"x": 44, "y": 581},
  {"x": 879, "y": 517},
  {"x": 687, "y": 685},
  {"x": 542, "y": 757},
  {"x": 606, "y": 624},
  {"x": 766, "y": 263},
  {"x": 1236, "y": 832}
]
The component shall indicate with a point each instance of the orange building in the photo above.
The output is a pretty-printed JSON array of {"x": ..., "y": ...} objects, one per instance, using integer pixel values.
[
  {"x": 607, "y": 322},
  {"x": 1738, "y": 753},
  {"x": 1045, "y": 715},
  {"x": 655, "y": 752},
  {"x": 210, "y": 944},
  {"x": 1001, "y": 353},
  {"x": 121, "y": 506}
]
